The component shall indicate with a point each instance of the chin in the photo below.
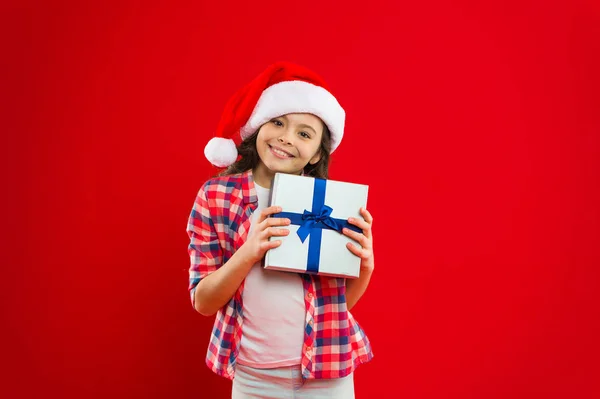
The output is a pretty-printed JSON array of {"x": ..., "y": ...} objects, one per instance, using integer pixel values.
[{"x": 279, "y": 169}]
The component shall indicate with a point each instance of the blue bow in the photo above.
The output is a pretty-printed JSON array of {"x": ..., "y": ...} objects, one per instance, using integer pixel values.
[{"x": 320, "y": 219}]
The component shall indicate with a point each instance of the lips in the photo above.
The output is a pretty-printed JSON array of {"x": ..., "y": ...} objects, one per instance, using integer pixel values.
[{"x": 279, "y": 153}]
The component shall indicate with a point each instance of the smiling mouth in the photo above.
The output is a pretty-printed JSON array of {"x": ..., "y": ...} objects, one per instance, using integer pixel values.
[{"x": 280, "y": 153}]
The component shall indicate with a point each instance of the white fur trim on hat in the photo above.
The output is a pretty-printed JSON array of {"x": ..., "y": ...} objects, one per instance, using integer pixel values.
[
  {"x": 220, "y": 152},
  {"x": 296, "y": 96}
]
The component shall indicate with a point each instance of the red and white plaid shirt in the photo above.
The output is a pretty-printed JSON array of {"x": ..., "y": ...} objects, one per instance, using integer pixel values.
[{"x": 334, "y": 343}]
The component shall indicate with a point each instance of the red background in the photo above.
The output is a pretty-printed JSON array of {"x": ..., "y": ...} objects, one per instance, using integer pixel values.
[{"x": 476, "y": 127}]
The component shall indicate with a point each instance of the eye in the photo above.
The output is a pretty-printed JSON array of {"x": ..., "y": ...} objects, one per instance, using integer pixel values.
[
  {"x": 305, "y": 135},
  {"x": 277, "y": 122}
]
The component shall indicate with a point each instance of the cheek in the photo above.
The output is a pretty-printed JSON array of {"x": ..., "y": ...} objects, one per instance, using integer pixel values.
[
  {"x": 261, "y": 140},
  {"x": 260, "y": 144},
  {"x": 261, "y": 133},
  {"x": 309, "y": 151}
]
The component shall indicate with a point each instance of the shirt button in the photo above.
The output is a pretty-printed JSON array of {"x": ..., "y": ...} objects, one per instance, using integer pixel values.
[
  {"x": 309, "y": 295},
  {"x": 310, "y": 322},
  {"x": 308, "y": 348}
]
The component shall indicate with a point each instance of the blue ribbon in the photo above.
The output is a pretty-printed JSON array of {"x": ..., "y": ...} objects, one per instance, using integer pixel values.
[{"x": 313, "y": 222}]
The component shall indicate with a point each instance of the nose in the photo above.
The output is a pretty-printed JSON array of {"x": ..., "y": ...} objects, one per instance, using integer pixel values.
[{"x": 285, "y": 137}]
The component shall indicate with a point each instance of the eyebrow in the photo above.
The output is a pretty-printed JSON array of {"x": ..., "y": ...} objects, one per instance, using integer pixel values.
[
  {"x": 301, "y": 125},
  {"x": 307, "y": 126}
]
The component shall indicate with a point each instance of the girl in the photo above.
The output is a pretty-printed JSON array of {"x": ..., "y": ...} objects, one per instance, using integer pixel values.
[{"x": 276, "y": 334}]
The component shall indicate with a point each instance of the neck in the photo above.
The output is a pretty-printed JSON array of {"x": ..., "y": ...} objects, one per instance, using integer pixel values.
[{"x": 262, "y": 175}]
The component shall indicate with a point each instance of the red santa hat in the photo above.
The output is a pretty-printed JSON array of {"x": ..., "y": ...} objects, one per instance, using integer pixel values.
[{"x": 282, "y": 88}]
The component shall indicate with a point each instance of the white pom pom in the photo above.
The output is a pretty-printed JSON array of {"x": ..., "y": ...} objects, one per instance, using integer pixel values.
[{"x": 220, "y": 152}]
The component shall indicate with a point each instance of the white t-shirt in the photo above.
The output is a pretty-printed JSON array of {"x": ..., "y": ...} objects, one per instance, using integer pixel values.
[{"x": 273, "y": 312}]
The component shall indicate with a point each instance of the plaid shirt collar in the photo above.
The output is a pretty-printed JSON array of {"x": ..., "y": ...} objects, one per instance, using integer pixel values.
[{"x": 248, "y": 190}]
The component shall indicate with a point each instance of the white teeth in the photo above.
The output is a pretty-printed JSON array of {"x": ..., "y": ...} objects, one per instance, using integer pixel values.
[{"x": 279, "y": 152}]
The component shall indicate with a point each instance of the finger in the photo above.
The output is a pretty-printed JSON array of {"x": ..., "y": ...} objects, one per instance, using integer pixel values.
[
  {"x": 367, "y": 215},
  {"x": 358, "y": 237},
  {"x": 361, "y": 224},
  {"x": 275, "y": 232},
  {"x": 266, "y": 245},
  {"x": 355, "y": 250},
  {"x": 264, "y": 214},
  {"x": 276, "y": 222}
]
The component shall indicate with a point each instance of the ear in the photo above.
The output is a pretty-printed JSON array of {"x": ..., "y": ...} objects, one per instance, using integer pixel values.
[{"x": 316, "y": 158}]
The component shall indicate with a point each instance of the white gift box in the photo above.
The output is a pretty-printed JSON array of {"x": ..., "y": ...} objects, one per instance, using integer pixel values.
[{"x": 316, "y": 206}]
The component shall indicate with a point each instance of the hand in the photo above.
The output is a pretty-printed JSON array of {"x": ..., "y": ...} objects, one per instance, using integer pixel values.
[
  {"x": 365, "y": 239},
  {"x": 258, "y": 242}
]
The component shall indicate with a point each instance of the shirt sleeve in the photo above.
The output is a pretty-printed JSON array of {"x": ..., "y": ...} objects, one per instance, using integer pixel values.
[{"x": 204, "y": 249}]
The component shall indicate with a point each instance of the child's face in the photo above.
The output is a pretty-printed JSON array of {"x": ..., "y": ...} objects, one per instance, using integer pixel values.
[{"x": 288, "y": 143}]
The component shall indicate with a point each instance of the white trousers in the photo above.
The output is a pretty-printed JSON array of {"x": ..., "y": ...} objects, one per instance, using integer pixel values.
[{"x": 287, "y": 382}]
